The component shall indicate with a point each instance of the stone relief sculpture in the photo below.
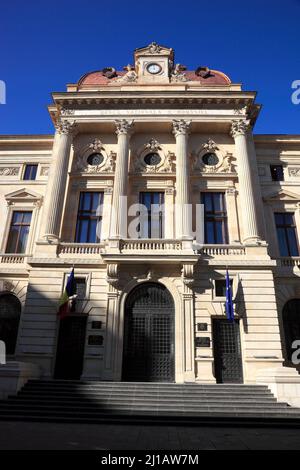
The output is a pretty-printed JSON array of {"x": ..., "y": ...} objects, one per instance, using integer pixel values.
[{"x": 178, "y": 75}]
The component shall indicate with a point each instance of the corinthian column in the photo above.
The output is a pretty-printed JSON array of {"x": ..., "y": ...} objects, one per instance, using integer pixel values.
[
  {"x": 118, "y": 227},
  {"x": 183, "y": 216},
  {"x": 57, "y": 180},
  {"x": 247, "y": 183}
]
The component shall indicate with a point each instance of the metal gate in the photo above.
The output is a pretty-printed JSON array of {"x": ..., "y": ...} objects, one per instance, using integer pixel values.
[
  {"x": 149, "y": 335},
  {"x": 227, "y": 351}
]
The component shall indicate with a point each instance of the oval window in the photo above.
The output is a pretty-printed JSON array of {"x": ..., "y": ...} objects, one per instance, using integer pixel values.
[
  {"x": 152, "y": 159},
  {"x": 210, "y": 159},
  {"x": 95, "y": 159}
]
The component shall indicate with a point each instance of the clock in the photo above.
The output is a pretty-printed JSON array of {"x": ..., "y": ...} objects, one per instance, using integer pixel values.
[{"x": 153, "y": 68}]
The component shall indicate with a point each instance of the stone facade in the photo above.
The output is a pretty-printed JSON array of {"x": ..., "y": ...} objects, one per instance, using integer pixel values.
[{"x": 181, "y": 115}]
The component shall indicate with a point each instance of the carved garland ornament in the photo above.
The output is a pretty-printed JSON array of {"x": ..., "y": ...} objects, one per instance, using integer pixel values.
[{"x": 9, "y": 171}]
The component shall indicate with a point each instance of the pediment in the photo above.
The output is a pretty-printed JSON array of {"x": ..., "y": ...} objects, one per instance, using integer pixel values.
[
  {"x": 23, "y": 195},
  {"x": 154, "y": 49},
  {"x": 283, "y": 195}
]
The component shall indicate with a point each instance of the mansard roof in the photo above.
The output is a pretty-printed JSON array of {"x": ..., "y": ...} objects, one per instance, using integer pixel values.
[{"x": 98, "y": 77}]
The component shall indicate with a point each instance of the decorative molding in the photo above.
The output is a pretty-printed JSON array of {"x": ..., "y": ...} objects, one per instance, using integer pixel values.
[
  {"x": 10, "y": 171},
  {"x": 166, "y": 164},
  {"x": 67, "y": 111},
  {"x": 112, "y": 274},
  {"x": 282, "y": 195},
  {"x": 123, "y": 126},
  {"x": 65, "y": 127},
  {"x": 187, "y": 274},
  {"x": 45, "y": 171},
  {"x": 23, "y": 195},
  {"x": 153, "y": 145},
  {"x": 240, "y": 127},
  {"x": 178, "y": 75},
  {"x": 106, "y": 166},
  {"x": 154, "y": 48},
  {"x": 294, "y": 172},
  {"x": 6, "y": 286},
  {"x": 181, "y": 127},
  {"x": 129, "y": 77},
  {"x": 225, "y": 162},
  {"x": 241, "y": 111},
  {"x": 96, "y": 145}
]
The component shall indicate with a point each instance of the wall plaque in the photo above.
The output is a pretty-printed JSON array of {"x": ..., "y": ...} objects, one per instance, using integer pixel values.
[
  {"x": 95, "y": 340},
  {"x": 203, "y": 342},
  {"x": 96, "y": 325}
]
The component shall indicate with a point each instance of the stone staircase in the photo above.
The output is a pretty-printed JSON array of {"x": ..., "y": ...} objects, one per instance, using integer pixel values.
[{"x": 97, "y": 402}]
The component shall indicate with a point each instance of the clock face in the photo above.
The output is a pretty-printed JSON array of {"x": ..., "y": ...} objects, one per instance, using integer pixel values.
[{"x": 153, "y": 68}]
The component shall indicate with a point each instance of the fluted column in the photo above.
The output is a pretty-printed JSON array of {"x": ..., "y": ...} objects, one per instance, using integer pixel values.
[
  {"x": 118, "y": 228},
  {"x": 247, "y": 186},
  {"x": 183, "y": 214},
  {"x": 58, "y": 177}
]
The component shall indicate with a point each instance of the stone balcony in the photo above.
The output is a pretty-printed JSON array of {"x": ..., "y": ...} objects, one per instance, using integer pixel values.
[
  {"x": 148, "y": 250},
  {"x": 13, "y": 258}
]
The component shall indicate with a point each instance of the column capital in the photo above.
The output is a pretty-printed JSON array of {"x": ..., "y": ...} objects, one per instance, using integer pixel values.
[
  {"x": 123, "y": 126},
  {"x": 181, "y": 127},
  {"x": 240, "y": 127},
  {"x": 66, "y": 127}
]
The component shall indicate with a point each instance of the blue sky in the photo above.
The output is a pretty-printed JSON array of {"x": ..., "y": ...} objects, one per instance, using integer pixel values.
[{"x": 45, "y": 45}]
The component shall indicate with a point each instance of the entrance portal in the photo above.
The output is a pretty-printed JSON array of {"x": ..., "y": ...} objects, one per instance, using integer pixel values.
[
  {"x": 149, "y": 335},
  {"x": 227, "y": 351},
  {"x": 70, "y": 347}
]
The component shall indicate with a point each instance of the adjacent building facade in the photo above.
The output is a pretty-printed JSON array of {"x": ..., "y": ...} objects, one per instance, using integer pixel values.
[{"x": 150, "y": 306}]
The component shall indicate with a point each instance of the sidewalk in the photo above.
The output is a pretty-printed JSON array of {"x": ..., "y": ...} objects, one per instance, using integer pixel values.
[{"x": 48, "y": 436}]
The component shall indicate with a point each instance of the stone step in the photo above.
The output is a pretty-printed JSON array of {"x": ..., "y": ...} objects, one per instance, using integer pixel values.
[
  {"x": 141, "y": 385},
  {"x": 183, "y": 395},
  {"x": 96, "y": 399},
  {"x": 141, "y": 404},
  {"x": 165, "y": 412}
]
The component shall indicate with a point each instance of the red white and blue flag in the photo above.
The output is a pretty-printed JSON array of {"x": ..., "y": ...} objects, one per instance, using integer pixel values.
[{"x": 67, "y": 299}]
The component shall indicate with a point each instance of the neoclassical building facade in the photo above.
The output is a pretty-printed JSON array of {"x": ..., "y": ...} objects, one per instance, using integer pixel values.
[{"x": 150, "y": 302}]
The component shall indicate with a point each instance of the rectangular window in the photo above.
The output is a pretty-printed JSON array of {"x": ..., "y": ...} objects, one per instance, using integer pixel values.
[
  {"x": 277, "y": 172},
  {"x": 215, "y": 218},
  {"x": 220, "y": 287},
  {"x": 89, "y": 218},
  {"x": 18, "y": 232},
  {"x": 286, "y": 234},
  {"x": 152, "y": 215},
  {"x": 30, "y": 172}
]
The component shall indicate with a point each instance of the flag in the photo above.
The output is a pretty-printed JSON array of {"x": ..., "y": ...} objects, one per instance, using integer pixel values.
[
  {"x": 65, "y": 303},
  {"x": 229, "y": 302}
]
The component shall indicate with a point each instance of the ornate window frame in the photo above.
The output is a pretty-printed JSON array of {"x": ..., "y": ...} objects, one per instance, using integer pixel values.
[
  {"x": 95, "y": 146},
  {"x": 224, "y": 165},
  {"x": 22, "y": 200},
  {"x": 166, "y": 164}
]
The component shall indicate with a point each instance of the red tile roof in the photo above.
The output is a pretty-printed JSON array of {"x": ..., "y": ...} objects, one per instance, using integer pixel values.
[{"x": 97, "y": 78}]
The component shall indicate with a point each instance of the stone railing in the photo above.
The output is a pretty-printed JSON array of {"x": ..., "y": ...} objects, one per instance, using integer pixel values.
[
  {"x": 80, "y": 249},
  {"x": 289, "y": 261},
  {"x": 10, "y": 258},
  {"x": 150, "y": 245},
  {"x": 221, "y": 250}
]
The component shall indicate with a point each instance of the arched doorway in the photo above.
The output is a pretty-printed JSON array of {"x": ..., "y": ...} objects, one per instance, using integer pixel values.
[
  {"x": 149, "y": 335},
  {"x": 10, "y": 312},
  {"x": 291, "y": 325}
]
